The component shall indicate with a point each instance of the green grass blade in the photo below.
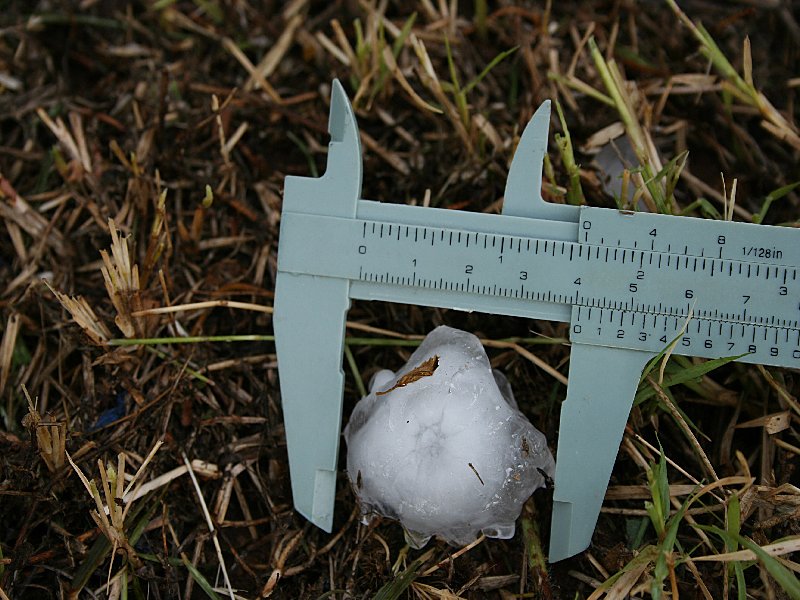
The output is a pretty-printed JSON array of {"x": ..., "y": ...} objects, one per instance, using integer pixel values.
[
  {"x": 451, "y": 66},
  {"x": 661, "y": 570},
  {"x": 771, "y": 197},
  {"x": 212, "y": 9},
  {"x": 362, "y": 48},
  {"x": 581, "y": 87},
  {"x": 200, "y": 580},
  {"x": 395, "y": 588},
  {"x": 693, "y": 372},
  {"x": 481, "y": 13},
  {"x": 351, "y": 362},
  {"x": 397, "y": 47},
  {"x": 671, "y": 172},
  {"x": 709, "y": 210},
  {"x": 733, "y": 522},
  {"x": 101, "y": 546},
  {"x": 741, "y": 586},
  {"x": 492, "y": 64},
  {"x": 95, "y": 557},
  {"x": 564, "y": 143},
  {"x": 123, "y": 595},
  {"x": 657, "y": 481},
  {"x": 196, "y": 339},
  {"x": 782, "y": 576},
  {"x": 312, "y": 166},
  {"x": 404, "y": 33}
]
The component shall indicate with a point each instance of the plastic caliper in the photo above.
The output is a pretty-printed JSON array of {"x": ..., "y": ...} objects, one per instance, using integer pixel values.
[{"x": 628, "y": 284}]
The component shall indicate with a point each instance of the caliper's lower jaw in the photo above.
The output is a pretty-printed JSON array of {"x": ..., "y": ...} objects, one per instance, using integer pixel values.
[
  {"x": 309, "y": 323},
  {"x": 602, "y": 384}
]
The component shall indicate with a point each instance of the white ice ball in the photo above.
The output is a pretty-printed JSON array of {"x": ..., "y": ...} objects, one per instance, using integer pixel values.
[{"x": 445, "y": 451}]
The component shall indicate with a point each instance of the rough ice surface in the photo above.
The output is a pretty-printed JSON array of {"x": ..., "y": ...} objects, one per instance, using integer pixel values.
[{"x": 447, "y": 454}]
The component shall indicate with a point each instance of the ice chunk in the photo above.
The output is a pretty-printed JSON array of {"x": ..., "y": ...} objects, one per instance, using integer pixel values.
[{"x": 441, "y": 447}]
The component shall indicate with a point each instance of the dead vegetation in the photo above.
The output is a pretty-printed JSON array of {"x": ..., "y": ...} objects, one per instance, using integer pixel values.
[{"x": 163, "y": 131}]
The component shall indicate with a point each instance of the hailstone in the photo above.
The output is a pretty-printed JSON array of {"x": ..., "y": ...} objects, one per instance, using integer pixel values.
[{"x": 441, "y": 447}]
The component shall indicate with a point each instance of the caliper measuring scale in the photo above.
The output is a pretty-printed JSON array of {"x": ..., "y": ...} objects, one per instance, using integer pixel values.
[{"x": 627, "y": 283}]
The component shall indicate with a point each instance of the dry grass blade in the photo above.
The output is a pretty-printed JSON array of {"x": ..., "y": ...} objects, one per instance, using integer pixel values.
[
  {"x": 698, "y": 579},
  {"x": 390, "y": 157},
  {"x": 430, "y": 79},
  {"x": 111, "y": 508},
  {"x": 160, "y": 242},
  {"x": 240, "y": 56},
  {"x": 272, "y": 59},
  {"x": 785, "y": 397},
  {"x": 122, "y": 284},
  {"x": 525, "y": 353},
  {"x": 210, "y": 524},
  {"x": 205, "y": 469},
  {"x": 162, "y": 310},
  {"x": 772, "y": 423},
  {"x": 781, "y": 548},
  {"x": 50, "y": 436},
  {"x": 730, "y": 200},
  {"x": 116, "y": 535},
  {"x": 73, "y": 141},
  {"x": 51, "y": 439},
  {"x": 397, "y": 73},
  {"x": 423, "y": 590},
  {"x": 83, "y": 314},
  {"x": 454, "y": 556},
  {"x": 15, "y": 209},
  {"x": 620, "y": 587},
  {"x": 136, "y": 481},
  {"x": 687, "y": 431},
  {"x": 7, "y": 349},
  {"x": 282, "y": 552}
]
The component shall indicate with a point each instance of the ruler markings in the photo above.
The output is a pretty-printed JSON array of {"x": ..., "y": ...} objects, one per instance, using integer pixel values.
[{"x": 732, "y": 327}]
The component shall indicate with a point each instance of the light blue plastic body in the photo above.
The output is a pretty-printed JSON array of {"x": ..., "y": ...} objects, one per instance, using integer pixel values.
[{"x": 628, "y": 283}]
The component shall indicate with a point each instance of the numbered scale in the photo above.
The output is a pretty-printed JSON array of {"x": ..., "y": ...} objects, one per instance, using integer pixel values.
[{"x": 628, "y": 283}]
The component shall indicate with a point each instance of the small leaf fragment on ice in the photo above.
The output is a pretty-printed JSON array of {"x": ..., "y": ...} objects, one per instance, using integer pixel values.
[
  {"x": 426, "y": 369},
  {"x": 450, "y": 455}
]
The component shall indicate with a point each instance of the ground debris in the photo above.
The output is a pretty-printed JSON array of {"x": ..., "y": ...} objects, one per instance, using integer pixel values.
[{"x": 164, "y": 130}]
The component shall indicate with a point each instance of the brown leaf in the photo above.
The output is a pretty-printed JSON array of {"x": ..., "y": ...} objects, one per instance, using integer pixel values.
[{"x": 426, "y": 369}]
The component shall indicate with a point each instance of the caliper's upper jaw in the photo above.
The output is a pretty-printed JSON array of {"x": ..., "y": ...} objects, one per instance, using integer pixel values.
[
  {"x": 309, "y": 324},
  {"x": 523, "y": 195},
  {"x": 337, "y": 192}
]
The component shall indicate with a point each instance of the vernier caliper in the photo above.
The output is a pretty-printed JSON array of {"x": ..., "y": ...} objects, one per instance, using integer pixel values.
[{"x": 627, "y": 283}]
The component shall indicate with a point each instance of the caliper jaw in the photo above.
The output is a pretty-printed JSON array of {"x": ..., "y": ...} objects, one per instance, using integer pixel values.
[
  {"x": 523, "y": 194},
  {"x": 309, "y": 325},
  {"x": 602, "y": 384},
  {"x": 337, "y": 192}
]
